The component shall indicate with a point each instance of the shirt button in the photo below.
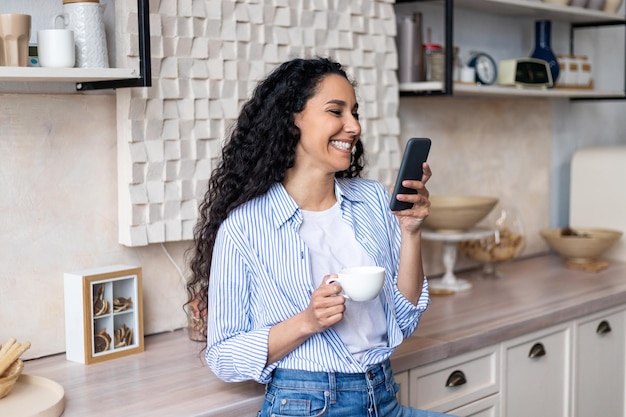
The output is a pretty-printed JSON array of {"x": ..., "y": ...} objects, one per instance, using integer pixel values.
[{"x": 283, "y": 401}]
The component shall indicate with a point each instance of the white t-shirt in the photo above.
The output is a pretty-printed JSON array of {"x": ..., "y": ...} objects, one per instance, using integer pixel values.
[{"x": 332, "y": 246}]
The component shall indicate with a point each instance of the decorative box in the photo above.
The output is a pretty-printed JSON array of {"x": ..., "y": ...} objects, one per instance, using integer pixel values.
[{"x": 103, "y": 313}]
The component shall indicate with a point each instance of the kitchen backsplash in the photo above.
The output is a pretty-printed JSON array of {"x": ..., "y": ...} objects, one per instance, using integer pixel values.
[
  {"x": 59, "y": 209},
  {"x": 490, "y": 147}
]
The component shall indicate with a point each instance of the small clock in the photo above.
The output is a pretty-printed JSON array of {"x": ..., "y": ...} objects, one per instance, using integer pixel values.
[
  {"x": 525, "y": 72},
  {"x": 485, "y": 67}
]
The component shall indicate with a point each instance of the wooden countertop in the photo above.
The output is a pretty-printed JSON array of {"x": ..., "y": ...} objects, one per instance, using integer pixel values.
[{"x": 169, "y": 379}]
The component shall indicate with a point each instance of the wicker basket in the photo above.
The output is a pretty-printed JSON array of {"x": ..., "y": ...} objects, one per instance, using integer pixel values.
[{"x": 10, "y": 376}]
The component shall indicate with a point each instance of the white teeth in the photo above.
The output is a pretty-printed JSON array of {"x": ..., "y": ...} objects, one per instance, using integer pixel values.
[{"x": 341, "y": 145}]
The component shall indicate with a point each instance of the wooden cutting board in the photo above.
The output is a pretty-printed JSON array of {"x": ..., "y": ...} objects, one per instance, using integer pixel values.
[
  {"x": 593, "y": 266},
  {"x": 33, "y": 396}
]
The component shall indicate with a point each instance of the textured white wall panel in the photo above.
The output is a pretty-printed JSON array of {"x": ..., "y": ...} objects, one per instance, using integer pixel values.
[{"x": 207, "y": 56}]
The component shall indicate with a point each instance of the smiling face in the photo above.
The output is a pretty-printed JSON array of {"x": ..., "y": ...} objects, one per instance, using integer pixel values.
[{"x": 329, "y": 127}]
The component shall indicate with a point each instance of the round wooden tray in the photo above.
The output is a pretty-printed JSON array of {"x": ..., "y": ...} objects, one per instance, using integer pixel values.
[{"x": 34, "y": 396}]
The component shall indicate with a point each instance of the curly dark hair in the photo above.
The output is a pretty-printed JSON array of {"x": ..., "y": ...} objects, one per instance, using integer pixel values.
[{"x": 261, "y": 147}]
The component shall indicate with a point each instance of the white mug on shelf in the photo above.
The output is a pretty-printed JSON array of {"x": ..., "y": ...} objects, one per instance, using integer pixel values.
[
  {"x": 55, "y": 48},
  {"x": 468, "y": 75}
]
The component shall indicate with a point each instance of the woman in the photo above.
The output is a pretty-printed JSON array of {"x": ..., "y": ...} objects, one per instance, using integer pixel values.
[{"x": 284, "y": 211}]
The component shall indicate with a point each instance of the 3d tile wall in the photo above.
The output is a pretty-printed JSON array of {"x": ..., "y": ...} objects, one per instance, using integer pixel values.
[{"x": 206, "y": 58}]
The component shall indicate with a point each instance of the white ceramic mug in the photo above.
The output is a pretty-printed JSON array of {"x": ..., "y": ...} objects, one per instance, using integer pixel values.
[
  {"x": 360, "y": 283},
  {"x": 55, "y": 48}
]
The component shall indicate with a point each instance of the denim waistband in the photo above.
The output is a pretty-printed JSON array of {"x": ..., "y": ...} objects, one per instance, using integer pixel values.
[{"x": 375, "y": 375}]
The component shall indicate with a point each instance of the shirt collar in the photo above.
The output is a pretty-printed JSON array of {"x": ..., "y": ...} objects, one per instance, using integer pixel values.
[
  {"x": 345, "y": 189},
  {"x": 285, "y": 208}
]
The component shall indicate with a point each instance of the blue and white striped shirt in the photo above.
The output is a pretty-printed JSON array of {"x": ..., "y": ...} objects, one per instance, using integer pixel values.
[{"x": 260, "y": 276}]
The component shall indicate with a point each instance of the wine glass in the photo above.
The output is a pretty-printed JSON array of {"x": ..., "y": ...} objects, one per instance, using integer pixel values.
[{"x": 504, "y": 244}]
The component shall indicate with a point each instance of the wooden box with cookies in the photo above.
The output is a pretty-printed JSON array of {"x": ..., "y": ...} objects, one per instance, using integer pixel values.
[{"x": 103, "y": 313}]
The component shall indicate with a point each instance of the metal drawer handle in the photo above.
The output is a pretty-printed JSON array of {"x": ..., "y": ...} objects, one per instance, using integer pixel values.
[
  {"x": 537, "y": 351},
  {"x": 456, "y": 379},
  {"x": 604, "y": 327}
]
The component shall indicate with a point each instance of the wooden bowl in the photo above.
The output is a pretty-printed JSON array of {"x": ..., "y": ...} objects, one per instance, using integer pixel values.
[
  {"x": 456, "y": 214},
  {"x": 10, "y": 376},
  {"x": 585, "y": 246}
]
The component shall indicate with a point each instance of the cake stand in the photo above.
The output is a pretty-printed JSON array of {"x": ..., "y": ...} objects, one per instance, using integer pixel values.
[{"x": 449, "y": 281}]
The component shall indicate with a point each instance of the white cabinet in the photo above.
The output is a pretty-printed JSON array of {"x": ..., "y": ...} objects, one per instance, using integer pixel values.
[
  {"x": 576, "y": 368},
  {"x": 402, "y": 379},
  {"x": 456, "y": 382},
  {"x": 600, "y": 365},
  {"x": 536, "y": 373}
]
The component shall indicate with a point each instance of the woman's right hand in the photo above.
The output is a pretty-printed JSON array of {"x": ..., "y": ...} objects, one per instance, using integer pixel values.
[{"x": 326, "y": 306}]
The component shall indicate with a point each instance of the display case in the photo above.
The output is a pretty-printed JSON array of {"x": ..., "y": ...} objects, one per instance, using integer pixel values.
[{"x": 103, "y": 313}]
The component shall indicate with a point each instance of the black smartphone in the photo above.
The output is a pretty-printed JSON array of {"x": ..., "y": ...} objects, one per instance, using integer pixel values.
[{"x": 415, "y": 154}]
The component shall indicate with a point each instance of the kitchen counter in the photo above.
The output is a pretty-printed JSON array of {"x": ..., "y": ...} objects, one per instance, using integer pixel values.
[{"x": 170, "y": 380}]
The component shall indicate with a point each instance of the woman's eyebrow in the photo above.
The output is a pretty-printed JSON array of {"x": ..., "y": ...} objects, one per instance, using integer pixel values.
[
  {"x": 336, "y": 101},
  {"x": 342, "y": 103}
]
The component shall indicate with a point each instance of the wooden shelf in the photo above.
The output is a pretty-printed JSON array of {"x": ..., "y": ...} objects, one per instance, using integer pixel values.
[
  {"x": 73, "y": 75},
  {"x": 421, "y": 86},
  {"x": 539, "y": 10},
  {"x": 536, "y": 9},
  {"x": 413, "y": 89}
]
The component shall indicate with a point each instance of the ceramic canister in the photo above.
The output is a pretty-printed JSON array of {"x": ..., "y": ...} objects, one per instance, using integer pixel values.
[
  {"x": 84, "y": 17},
  {"x": 14, "y": 36}
]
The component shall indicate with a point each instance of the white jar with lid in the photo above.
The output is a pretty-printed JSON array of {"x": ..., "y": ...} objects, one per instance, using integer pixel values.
[
  {"x": 563, "y": 61},
  {"x": 574, "y": 70},
  {"x": 84, "y": 17}
]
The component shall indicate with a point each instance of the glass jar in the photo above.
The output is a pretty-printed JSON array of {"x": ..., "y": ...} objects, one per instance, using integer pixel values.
[
  {"x": 434, "y": 57},
  {"x": 506, "y": 243}
]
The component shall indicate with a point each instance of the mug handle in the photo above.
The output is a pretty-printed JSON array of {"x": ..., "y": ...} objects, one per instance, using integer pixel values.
[
  {"x": 331, "y": 280},
  {"x": 63, "y": 16}
]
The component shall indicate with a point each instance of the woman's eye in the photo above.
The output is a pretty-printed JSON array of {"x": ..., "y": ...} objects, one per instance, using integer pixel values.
[{"x": 336, "y": 112}]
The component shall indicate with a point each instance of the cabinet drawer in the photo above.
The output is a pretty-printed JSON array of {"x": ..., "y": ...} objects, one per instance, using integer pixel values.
[
  {"x": 487, "y": 407},
  {"x": 451, "y": 383}
]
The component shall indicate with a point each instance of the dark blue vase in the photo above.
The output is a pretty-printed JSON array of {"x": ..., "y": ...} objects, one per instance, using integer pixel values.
[{"x": 543, "y": 49}]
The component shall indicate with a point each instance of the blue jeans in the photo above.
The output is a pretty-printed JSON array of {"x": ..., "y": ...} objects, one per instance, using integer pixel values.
[{"x": 371, "y": 394}]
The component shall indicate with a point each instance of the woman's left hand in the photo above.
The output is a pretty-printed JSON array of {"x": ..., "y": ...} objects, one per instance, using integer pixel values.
[{"x": 411, "y": 219}]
